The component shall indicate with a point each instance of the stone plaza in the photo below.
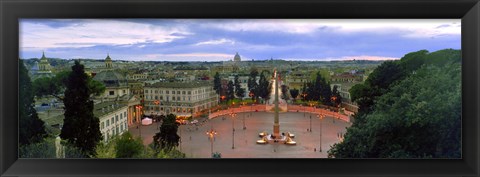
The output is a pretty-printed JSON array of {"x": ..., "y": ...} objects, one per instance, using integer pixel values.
[{"x": 195, "y": 142}]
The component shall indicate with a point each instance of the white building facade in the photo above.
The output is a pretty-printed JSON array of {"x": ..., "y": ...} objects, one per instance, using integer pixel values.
[
  {"x": 113, "y": 119},
  {"x": 179, "y": 98}
]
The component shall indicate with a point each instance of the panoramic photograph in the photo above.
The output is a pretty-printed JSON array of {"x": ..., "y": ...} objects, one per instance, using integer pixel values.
[{"x": 240, "y": 88}]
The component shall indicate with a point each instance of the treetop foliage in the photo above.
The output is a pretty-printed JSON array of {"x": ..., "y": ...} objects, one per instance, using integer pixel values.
[{"x": 416, "y": 115}]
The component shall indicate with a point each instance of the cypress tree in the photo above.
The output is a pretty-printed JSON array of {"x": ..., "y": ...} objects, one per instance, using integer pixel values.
[
  {"x": 230, "y": 90},
  {"x": 167, "y": 138},
  {"x": 31, "y": 127},
  {"x": 252, "y": 82},
  {"x": 81, "y": 127},
  {"x": 239, "y": 91},
  {"x": 217, "y": 83}
]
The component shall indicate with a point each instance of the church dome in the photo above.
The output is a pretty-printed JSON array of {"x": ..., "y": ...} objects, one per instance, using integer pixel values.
[
  {"x": 111, "y": 78},
  {"x": 43, "y": 60},
  {"x": 237, "y": 57},
  {"x": 108, "y": 58}
]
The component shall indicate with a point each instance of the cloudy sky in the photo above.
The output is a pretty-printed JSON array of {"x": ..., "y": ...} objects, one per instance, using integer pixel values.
[{"x": 219, "y": 39}]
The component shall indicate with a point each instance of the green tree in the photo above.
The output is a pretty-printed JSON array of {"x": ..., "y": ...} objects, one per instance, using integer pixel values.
[
  {"x": 284, "y": 92},
  {"x": 304, "y": 91},
  {"x": 170, "y": 154},
  {"x": 128, "y": 147},
  {"x": 217, "y": 83},
  {"x": 46, "y": 149},
  {"x": 311, "y": 93},
  {"x": 41, "y": 149},
  {"x": 420, "y": 117},
  {"x": 81, "y": 128},
  {"x": 252, "y": 82},
  {"x": 31, "y": 127},
  {"x": 230, "y": 91},
  {"x": 239, "y": 91},
  {"x": 378, "y": 83},
  {"x": 45, "y": 86},
  {"x": 408, "y": 109},
  {"x": 294, "y": 93},
  {"x": 322, "y": 90},
  {"x": 56, "y": 86},
  {"x": 264, "y": 88},
  {"x": 167, "y": 138},
  {"x": 336, "y": 94},
  {"x": 414, "y": 60}
]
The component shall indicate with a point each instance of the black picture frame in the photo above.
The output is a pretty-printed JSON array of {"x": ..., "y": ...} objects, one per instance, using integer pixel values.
[{"x": 11, "y": 11}]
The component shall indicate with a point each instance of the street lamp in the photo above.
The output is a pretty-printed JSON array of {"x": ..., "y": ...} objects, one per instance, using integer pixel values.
[
  {"x": 157, "y": 102},
  {"x": 321, "y": 118},
  {"x": 244, "y": 127},
  {"x": 310, "y": 123},
  {"x": 211, "y": 134},
  {"x": 304, "y": 108},
  {"x": 222, "y": 97},
  {"x": 251, "y": 94},
  {"x": 333, "y": 98},
  {"x": 233, "y": 114}
]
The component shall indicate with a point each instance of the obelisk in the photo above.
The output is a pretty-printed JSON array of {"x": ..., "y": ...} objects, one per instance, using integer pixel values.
[{"x": 276, "y": 125}]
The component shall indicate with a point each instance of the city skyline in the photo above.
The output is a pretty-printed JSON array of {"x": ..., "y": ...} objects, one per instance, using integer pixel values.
[{"x": 220, "y": 39}]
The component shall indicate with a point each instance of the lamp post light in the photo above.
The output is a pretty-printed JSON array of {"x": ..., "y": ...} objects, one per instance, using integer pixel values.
[
  {"x": 157, "y": 102},
  {"x": 333, "y": 98},
  {"x": 310, "y": 130},
  {"x": 211, "y": 134},
  {"x": 251, "y": 94},
  {"x": 304, "y": 108},
  {"x": 321, "y": 118},
  {"x": 222, "y": 97},
  {"x": 233, "y": 114},
  {"x": 244, "y": 127}
]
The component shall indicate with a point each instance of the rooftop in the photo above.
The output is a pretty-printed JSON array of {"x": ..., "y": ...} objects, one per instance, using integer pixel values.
[
  {"x": 194, "y": 84},
  {"x": 107, "y": 106}
]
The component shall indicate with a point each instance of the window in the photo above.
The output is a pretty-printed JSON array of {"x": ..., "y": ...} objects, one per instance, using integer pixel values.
[
  {"x": 108, "y": 123},
  {"x": 189, "y": 98},
  {"x": 125, "y": 114},
  {"x": 121, "y": 128},
  {"x": 121, "y": 116},
  {"x": 111, "y": 93},
  {"x": 183, "y": 92},
  {"x": 103, "y": 125},
  {"x": 178, "y": 98},
  {"x": 146, "y": 91},
  {"x": 183, "y": 98},
  {"x": 126, "y": 126},
  {"x": 156, "y": 97},
  {"x": 173, "y": 92},
  {"x": 124, "y": 91},
  {"x": 178, "y": 92},
  {"x": 116, "y": 118},
  {"x": 173, "y": 98},
  {"x": 112, "y": 121},
  {"x": 161, "y": 98},
  {"x": 168, "y": 92},
  {"x": 156, "y": 91},
  {"x": 189, "y": 92},
  {"x": 116, "y": 129}
]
